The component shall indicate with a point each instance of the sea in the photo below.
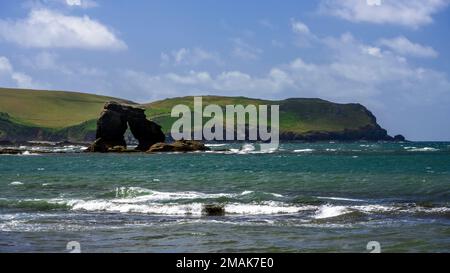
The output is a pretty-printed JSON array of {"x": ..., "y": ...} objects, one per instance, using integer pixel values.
[{"x": 304, "y": 197}]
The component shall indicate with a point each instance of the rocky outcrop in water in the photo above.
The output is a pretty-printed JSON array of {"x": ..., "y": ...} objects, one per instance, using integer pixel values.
[
  {"x": 178, "y": 146},
  {"x": 399, "y": 138},
  {"x": 114, "y": 122},
  {"x": 213, "y": 210}
]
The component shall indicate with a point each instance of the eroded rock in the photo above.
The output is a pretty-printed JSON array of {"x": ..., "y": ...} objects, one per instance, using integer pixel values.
[
  {"x": 213, "y": 210},
  {"x": 113, "y": 123},
  {"x": 178, "y": 146}
]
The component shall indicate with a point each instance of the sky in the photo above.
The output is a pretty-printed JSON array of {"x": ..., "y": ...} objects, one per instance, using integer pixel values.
[{"x": 389, "y": 55}]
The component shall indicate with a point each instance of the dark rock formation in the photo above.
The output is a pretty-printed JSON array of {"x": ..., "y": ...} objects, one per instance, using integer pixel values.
[
  {"x": 98, "y": 146},
  {"x": 213, "y": 210},
  {"x": 113, "y": 123},
  {"x": 178, "y": 146},
  {"x": 5, "y": 143},
  {"x": 399, "y": 138},
  {"x": 370, "y": 133},
  {"x": 11, "y": 151}
]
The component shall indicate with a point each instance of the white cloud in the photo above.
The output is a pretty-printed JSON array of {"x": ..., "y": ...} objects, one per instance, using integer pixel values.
[
  {"x": 374, "y": 51},
  {"x": 45, "y": 28},
  {"x": 49, "y": 62},
  {"x": 303, "y": 35},
  {"x": 355, "y": 72},
  {"x": 81, "y": 3},
  {"x": 299, "y": 27},
  {"x": 245, "y": 51},
  {"x": 409, "y": 13},
  {"x": 10, "y": 77},
  {"x": 73, "y": 2},
  {"x": 403, "y": 46},
  {"x": 404, "y": 97},
  {"x": 5, "y": 65},
  {"x": 192, "y": 57}
]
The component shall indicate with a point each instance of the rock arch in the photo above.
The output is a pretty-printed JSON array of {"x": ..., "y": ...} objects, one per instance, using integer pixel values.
[{"x": 115, "y": 120}]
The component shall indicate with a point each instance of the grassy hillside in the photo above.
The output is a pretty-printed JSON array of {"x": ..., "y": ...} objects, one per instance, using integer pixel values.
[
  {"x": 51, "y": 109},
  {"x": 296, "y": 115},
  {"x": 54, "y": 115}
]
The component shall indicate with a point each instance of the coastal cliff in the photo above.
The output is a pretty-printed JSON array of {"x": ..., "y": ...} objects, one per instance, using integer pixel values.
[{"x": 67, "y": 116}]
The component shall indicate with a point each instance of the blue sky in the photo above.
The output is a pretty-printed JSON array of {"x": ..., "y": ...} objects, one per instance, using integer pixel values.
[{"x": 390, "y": 55}]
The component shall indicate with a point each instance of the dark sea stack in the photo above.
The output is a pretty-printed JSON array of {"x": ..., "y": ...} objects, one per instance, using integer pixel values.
[
  {"x": 399, "y": 138},
  {"x": 114, "y": 122},
  {"x": 178, "y": 146},
  {"x": 145, "y": 131}
]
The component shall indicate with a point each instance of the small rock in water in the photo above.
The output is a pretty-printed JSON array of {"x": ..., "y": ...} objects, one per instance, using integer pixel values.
[
  {"x": 214, "y": 210},
  {"x": 179, "y": 146},
  {"x": 8, "y": 151}
]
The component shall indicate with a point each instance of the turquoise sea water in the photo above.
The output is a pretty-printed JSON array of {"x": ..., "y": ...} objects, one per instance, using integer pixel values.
[{"x": 322, "y": 197}]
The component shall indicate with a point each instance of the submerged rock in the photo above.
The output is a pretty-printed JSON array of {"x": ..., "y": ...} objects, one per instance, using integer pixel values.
[
  {"x": 213, "y": 210},
  {"x": 113, "y": 123},
  {"x": 178, "y": 146}
]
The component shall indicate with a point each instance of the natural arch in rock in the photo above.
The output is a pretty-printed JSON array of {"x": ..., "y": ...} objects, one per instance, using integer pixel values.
[{"x": 113, "y": 123}]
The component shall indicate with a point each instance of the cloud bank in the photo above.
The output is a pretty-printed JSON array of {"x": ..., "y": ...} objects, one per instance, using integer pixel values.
[{"x": 44, "y": 28}]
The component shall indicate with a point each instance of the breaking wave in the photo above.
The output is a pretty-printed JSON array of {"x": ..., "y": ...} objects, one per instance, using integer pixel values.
[
  {"x": 145, "y": 201},
  {"x": 424, "y": 149}
]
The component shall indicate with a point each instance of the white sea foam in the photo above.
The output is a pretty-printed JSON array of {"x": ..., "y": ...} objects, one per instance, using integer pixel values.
[
  {"x": 267, "y": 208},
  {"x": 161, "y": 203},
  {"x": 152, "y": 208},
  {"x": 304, "y": 151},
  {"x": 276, "y": 194},
  {"x": 27, "y": 153},
  {"x": 16, "y": 183},
  {"x": 424, "y": 149},
  {"x": 328, "y": 211},
  {"x": 340, "y": 199},
  {"x": 137, "y": 195},
  {"x": 247, "y": 149},
  {"x": 264, "y": 208},
  {"x": 215, "y": 145}
]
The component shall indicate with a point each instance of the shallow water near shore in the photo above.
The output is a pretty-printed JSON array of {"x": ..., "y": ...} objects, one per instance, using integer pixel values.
[{"x": 320, "y": 197}]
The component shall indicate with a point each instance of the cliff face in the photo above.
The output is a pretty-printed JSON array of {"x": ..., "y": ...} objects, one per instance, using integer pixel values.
[
  {"x": 364, "y": 127},
  {"x": 300, "y": 119},
  {"x": 11, "y": 131}
]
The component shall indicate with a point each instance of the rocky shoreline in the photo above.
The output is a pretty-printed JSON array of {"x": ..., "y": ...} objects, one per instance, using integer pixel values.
[{"x": 116, "y": 119}]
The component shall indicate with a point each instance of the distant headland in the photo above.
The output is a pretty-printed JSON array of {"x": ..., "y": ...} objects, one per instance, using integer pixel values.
[{"x": 36, "y": 115}]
